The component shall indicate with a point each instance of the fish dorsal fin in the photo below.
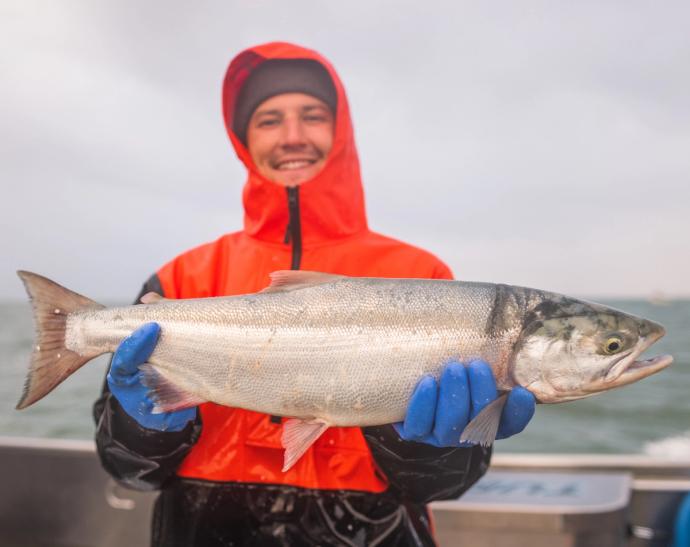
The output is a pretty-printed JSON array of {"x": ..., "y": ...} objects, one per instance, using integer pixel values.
[
  {"x": 482, "y": 429},
  {"x": 289, "y": 280},
  {"x": 151, "y": 298},
  {"x": 298, "y": 436}
]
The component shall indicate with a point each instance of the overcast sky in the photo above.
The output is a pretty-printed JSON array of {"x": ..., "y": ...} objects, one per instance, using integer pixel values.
[{"x": 544, "y": 144}]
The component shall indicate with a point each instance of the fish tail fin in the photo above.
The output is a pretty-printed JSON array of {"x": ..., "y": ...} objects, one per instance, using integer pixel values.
[{"x": 51, "y": 361}]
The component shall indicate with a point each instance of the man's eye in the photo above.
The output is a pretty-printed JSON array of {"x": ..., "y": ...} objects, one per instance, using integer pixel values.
[
  {"x": 315, "y": 118},
  {"x": 267, "y": 123}
]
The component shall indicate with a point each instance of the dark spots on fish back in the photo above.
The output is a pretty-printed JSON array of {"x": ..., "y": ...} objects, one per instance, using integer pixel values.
[
  {"x": 547, "y": 309},
  {"x": 603, "y": 322},
  {"x": 554, "y": 306}
]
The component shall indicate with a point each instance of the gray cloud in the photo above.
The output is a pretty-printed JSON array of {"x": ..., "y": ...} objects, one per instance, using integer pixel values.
[{"x": 544, "y": 144}]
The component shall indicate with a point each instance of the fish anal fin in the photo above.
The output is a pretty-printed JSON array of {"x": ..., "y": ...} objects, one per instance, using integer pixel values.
[
  {"x": 483, "y": 427},
  {"x": 288, "y": 280},
  {"x": 166, "y": 396},
  {"x": 298, "y": 436},
  {"x": 151, "y": 298}
]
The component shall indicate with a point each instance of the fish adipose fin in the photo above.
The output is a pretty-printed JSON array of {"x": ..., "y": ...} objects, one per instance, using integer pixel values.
[
  {"x": 483, "y": 427},
  {"x": 166, "y": 396},
  {"x": 51, "y": 361},
  {"x": 289, "y": 280},
  {"x": 298, "y": 436}
]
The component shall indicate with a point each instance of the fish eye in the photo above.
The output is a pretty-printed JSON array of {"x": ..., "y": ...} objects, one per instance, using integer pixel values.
[{"x": 613, "y": 344}]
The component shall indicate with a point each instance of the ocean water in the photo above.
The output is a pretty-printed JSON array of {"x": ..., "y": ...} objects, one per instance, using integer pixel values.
[{"x": 651, "y": 416}]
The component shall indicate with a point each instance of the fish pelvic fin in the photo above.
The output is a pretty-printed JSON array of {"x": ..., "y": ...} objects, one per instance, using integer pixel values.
[
  {"x": 51, "y": 362},
  {"x": 166, "y": 396},
  {"x": 298, "y": 436},
  {"x": 483, "y": 427}
]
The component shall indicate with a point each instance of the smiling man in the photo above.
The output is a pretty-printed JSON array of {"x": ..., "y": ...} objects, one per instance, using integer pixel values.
[
  {"x": 220, "y": 468},
  {"x": 285, "y": 116},
  {"x": 289, "y": 137}
]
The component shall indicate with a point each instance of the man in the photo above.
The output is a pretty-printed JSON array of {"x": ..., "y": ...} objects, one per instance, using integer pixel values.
[{"x": 220, "y": 468}]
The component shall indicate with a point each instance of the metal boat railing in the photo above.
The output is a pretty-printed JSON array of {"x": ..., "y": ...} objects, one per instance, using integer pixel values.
[{"x": 56, "y": 493}]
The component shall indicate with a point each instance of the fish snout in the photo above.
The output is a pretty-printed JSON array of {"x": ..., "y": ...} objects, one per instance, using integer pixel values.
[{"x": 651, "y": 331}]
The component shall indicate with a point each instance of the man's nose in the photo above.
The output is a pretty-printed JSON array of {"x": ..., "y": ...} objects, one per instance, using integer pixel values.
[{"x": 293, "y": 133}]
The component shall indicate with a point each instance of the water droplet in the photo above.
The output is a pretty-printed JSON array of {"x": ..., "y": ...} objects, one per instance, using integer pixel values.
[
  {"x": 349, "y": 527},
  {"x": 58, "y": 355},
  {"x": 56, "y": 311},
  {"x": 38, "y": 348}
]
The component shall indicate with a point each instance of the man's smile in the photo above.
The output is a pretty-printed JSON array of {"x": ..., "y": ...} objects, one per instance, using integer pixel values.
[{"x": 293, "y": 164}]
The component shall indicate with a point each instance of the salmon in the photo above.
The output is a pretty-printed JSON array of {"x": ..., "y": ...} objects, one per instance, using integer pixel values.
[{"x": 328, "y": 350}]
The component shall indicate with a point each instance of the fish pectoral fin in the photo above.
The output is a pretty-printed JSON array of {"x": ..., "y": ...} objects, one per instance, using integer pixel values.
[
  {"x": 166, "y": 396},
  {"x": 483, "y": 427},
  {"x": 151, "y": 298},
  {"x": 289, "y": 280},
  {"x": 298, "y": 436}
]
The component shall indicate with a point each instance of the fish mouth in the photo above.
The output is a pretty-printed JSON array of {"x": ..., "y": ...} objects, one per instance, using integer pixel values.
[
  {"x": 636, "y": 370},
  {"x": 629, "y": 369}
]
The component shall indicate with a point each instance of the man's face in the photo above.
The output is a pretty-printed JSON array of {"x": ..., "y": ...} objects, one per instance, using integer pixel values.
[{"x": 289, "y": 137}]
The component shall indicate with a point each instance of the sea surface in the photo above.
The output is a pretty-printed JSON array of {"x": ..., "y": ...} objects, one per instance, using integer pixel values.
[{"x": 651, "y": 416}]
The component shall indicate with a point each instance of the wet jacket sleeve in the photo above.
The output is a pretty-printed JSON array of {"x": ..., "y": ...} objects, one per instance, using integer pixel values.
[
  {"x": 137, "y": 457},
  {"x": 423, "y": 473}
]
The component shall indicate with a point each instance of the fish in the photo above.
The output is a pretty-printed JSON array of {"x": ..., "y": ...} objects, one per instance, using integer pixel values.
[{"x": 326, "y": 350}]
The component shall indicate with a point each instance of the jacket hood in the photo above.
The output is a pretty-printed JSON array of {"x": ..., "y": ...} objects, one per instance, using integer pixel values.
[{"x": 331, "y": 203}]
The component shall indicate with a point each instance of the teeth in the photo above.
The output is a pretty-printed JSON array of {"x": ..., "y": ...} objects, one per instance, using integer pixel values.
[{"x": 297, "y": 164}]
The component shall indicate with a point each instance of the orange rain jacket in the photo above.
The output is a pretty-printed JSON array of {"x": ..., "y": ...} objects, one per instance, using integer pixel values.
[{"x": 320, "y": 225}]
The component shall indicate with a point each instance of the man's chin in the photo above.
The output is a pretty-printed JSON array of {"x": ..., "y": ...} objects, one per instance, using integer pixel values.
[{"x": 295, "y": 177}]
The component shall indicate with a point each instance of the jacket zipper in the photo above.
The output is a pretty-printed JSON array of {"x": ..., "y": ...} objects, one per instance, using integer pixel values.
[{"x": 293, "y": 232}]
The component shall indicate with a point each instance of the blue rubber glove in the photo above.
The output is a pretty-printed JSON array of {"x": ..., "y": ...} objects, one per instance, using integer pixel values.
[
  {"x": 438, "y": 413},
  {"x": 124, "y": 381}
]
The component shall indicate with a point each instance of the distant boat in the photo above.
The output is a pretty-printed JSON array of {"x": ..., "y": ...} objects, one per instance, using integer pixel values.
[{"x": 658, "y": 298}]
